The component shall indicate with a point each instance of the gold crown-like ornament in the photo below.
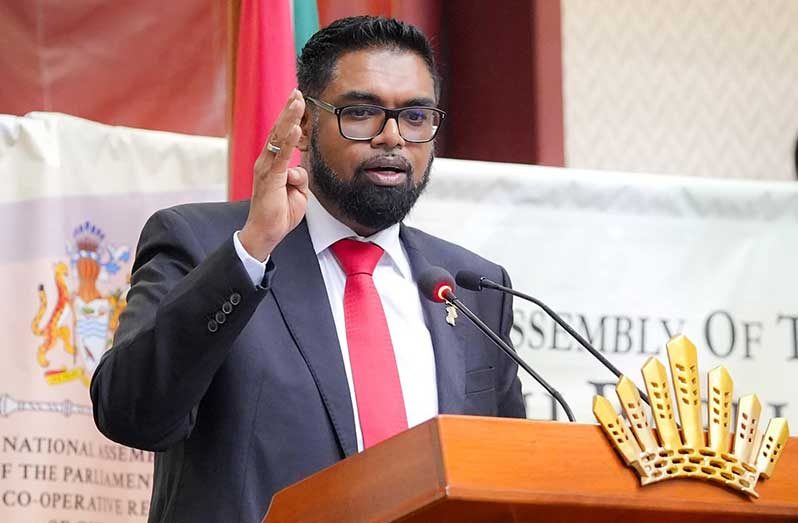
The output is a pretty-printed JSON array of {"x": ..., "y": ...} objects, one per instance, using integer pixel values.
[{"x": 669, "y": 453}]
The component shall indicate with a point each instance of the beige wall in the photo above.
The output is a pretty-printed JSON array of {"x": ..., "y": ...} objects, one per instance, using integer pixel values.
[{"x": 694, "y": 87}]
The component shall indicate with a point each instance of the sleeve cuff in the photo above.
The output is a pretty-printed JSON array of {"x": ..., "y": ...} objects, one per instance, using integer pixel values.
[{"x": 255, "y": 268}]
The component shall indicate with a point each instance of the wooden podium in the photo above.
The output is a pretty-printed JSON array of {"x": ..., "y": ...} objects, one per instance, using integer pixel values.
[{"x": 474, "y": 469}]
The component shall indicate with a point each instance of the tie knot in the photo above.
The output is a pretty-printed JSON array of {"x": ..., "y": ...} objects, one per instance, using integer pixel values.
[{"x": 357, "y": 257}]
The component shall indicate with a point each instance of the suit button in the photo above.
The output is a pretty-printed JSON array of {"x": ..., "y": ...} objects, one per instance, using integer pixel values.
[
  {"x": 220, "y": 317},
  {"x": 213, "y": 326},
  {"x": 227, "y": 308},
  {"x": 235, "y": 298}
]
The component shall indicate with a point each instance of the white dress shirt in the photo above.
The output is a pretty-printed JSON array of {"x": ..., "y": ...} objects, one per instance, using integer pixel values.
[{"x": 396, "y": 286}]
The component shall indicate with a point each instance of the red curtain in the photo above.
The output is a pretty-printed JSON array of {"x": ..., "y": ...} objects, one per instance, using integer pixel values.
[{"x": 149, "y": 63}]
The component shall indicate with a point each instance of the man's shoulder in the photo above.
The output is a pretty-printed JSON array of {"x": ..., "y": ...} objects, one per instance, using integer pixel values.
[
  {"x": 201, "y": 218},
  {"x": 213, "y": 212},
  {"x": 454, "y": 256},
  {"x": 207, "y": 223}
]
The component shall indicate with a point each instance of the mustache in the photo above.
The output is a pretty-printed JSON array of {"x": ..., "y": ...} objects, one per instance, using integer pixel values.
[{"x": 385, "y": 161}]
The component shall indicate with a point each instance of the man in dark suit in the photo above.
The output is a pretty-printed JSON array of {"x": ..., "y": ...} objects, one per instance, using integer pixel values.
[{"x": 266, "y": 340}]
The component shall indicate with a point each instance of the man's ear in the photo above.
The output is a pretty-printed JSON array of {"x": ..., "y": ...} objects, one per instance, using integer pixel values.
[{"x": 307, "y": 128}]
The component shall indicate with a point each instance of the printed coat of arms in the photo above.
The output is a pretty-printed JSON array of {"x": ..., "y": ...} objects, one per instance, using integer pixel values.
[{"x": 85, "y": 314}]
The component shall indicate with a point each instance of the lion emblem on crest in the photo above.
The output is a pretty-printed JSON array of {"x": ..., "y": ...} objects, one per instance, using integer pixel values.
[{"x": 82, "y": 323}]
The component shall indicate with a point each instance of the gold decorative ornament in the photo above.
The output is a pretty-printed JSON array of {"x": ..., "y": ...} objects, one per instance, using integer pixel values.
[{"x": 667, "y": 452}]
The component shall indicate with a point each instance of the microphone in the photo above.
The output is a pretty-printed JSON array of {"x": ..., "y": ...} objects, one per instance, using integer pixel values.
[
  {"x": 475, "y": 282},
  {"x": 436, "y": 284}
]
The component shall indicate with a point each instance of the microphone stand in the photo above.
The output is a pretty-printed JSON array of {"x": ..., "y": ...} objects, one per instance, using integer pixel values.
[
  {"x": 484, "y": 282},
  {"x": 451, "y": 299}
]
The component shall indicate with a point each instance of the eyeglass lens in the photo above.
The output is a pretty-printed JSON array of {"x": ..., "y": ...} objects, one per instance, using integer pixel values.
[{"x": 416, "y": 124}]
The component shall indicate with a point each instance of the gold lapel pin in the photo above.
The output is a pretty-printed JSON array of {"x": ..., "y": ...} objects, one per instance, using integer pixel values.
[{"x": 451, "y": 314}]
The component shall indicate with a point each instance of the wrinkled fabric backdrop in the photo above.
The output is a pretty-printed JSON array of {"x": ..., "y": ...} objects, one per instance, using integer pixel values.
[{"x": 628, "y": 259}]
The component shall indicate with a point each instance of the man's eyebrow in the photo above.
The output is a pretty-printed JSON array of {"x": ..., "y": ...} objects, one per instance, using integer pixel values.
[
  {"x": 423, "y": 101},
  {"x": 370, "y": 98},
  {"x": 360, "y": 97}
]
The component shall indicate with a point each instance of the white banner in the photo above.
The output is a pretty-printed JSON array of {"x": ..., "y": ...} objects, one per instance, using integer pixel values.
[
  {"x": 630, "y": 260},
  {"x": 74, "y": 198}
]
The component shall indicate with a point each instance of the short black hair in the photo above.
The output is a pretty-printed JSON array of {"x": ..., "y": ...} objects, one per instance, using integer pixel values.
[{"x": 320, "y": 54}]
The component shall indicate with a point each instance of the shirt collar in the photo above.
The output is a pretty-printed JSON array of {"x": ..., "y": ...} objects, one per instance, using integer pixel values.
[{"x": 325, "y": 230}]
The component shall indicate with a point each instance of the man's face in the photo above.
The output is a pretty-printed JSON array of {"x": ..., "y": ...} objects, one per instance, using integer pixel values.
[{"x": 370, "y": 185}]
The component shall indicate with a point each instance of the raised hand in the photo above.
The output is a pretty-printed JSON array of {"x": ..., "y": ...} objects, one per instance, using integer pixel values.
[{"x": 279, "y": 192}]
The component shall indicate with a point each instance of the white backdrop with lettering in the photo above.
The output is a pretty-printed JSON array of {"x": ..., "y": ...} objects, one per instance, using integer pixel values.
[
  {"x": 629, "y": 260},
  {"x": 74, "y": 197}
]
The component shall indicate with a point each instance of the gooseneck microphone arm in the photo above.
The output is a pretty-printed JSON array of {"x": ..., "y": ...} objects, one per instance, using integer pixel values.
[
  {"x": 436, "y": 284},
  {"x": 450, "y": 298},
  {"x": 475, "y": 282}
]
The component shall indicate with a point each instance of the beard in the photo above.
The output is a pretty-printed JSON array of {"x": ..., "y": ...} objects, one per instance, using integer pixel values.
[{"x": 373, "y": 206}]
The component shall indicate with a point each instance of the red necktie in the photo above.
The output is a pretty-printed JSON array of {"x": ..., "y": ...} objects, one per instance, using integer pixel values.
[{"x": 380, "y": 404}]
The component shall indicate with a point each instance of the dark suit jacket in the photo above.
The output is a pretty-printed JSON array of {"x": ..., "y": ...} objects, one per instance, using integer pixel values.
[{"x": 242, "y": 410}]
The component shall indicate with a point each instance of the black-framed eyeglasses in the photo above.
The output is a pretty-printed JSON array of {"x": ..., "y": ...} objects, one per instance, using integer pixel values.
[{"x": 362, "y": 122}]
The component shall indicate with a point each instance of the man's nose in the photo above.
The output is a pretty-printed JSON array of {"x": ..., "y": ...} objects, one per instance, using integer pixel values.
[{"x": 389, "y": 138}]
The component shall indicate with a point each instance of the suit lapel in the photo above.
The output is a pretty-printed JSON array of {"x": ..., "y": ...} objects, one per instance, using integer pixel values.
[
  {"x": 299, "y": 291},
  {"x": 447, "y": 343}
]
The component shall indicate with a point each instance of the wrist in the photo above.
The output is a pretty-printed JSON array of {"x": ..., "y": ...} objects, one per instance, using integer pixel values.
[{"x": 255, "y": 244}]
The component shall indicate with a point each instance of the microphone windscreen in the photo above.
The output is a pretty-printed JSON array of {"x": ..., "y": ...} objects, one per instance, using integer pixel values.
[
  {"x": 469, "y": 280},
  {"x": 432, "y": 280}
]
